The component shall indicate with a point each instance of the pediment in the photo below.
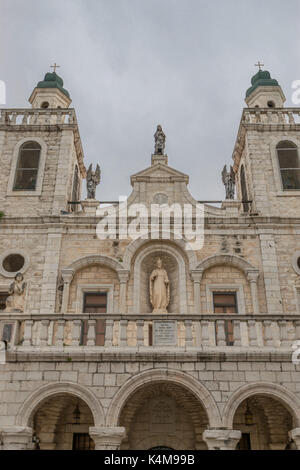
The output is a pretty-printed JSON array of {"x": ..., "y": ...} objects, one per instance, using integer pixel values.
[{"x": 160, "y": 173}]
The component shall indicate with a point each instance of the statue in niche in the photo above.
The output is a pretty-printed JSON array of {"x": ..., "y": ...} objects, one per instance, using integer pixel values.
[
  {"x": 92, "y": 181},
  {"x": 228, "y": 178},
  {"x": 160, "y": 141},
  {"x": 159, "y": 289},
  {"x": 16, "y": 300}
]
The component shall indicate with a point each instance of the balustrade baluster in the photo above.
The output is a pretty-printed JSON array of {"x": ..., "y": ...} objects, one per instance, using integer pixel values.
[
  {"x": 76, "y": 332},
  {"x": 123, "y": 332},
  {"x": 109, "y": 333},
  {"x": 205, "y": 333},
  {"x": 221, "y": 338},
  {"x": 268, "y": 337},
  {"x": 28, "y": 333},
  {"x": 140, "y": 332},
  {"x": 91, "y": 334},
  {"x": 188, "y": 333},
  {"x": 59, "y": 337},
  {"x": 237, "y": 333},
  {"x": 252, "y": 333},
  {"x": 44, "y": 333}
]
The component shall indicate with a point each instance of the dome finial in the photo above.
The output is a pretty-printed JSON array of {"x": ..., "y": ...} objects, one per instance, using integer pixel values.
[
  {"x": 54, "y": 67},
  {"x": 259, "y": 65}
]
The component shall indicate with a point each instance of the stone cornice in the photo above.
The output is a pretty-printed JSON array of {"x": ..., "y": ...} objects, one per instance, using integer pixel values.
[{"x": 229, "y": 354}]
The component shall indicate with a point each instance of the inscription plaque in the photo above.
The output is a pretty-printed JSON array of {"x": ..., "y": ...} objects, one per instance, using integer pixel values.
[{"x": 164, "y": 333}]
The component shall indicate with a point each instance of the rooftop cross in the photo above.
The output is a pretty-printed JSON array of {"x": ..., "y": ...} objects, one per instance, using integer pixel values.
[
  {"x": 54, "y": 67},
  {"x": 259, "y": 64}
]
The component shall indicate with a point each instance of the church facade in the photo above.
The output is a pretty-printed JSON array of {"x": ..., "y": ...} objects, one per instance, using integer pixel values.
[{"x": 149, "y": 341}]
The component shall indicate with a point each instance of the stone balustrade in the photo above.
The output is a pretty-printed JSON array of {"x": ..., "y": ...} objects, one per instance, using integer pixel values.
[
  {"x": 136, "y": 331},
  {"x": 285, "y": 116},
  {"x": 36, "y": 117}
]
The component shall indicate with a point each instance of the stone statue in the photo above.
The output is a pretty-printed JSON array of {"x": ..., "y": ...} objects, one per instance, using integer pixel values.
[
  {"x": 160, "y": 141},
  {"x": 16, "y": 300},
  {"x": 92, "y": 181},
  {"x": 228, "y": 179},
  {"x": 159, "y": 289}
]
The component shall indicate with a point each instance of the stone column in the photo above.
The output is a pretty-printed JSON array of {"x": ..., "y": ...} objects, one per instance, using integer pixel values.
[
  {"x": 123, "y": 278},
  {"x": 221, "y": 439},
  {"x": 252, "y": 278},
  {"x": 294, "y": 434},
  {"x": 15, "y": 438},
  {"x": 107, "y": 438},
  {"x": 196, "y": 277},
  {"x": 67, "y": 275}
]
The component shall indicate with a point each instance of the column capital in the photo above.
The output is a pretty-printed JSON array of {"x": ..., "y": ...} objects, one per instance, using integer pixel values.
[
  {"x": 252, "y": 276},
  {"x": 107, "y": 438},
  {"x": 221, "y": 439},
  {"x": 196, "y": 275},
  {"x": 67, "y": 275},
  {"x": 15, "y": 437},
  {"x": 123, "y": 276}
]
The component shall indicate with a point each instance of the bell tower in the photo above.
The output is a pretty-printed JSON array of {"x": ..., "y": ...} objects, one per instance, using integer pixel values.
[
  {"x": 41, "y": 153},
  {"x": 266, "y": 152}
]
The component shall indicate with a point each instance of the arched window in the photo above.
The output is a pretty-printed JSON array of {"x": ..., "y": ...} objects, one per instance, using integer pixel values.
[
  {"x": 244, "y": 190},
  {"x": 289, "y": 163},
  {"x": 27, "y": 167}
]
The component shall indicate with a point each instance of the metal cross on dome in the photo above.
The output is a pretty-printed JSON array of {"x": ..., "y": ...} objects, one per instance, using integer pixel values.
[
  {"x": 54, "y": 67},
  {"x": 259, "y": 64}
]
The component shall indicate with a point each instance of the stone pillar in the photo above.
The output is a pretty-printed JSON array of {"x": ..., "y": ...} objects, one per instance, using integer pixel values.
[
  {"x": 49, "y": 281},
  {"x": 123, "y": 278},
  {"x": 67, "y": 275},
  {"x": 107, "y": 438},
  {"x": 196, "y": 277},
  {"x": 294, "y": 434},
  {"x": 221, "y": 439},
  {"x": 15, "y": 438},
  {"x": 252, "y": 278},
  {"x": 270, "y": 272}
]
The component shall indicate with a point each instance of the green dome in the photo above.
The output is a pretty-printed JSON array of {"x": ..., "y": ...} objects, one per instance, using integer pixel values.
[
  {"x": 52, "y": 80},
  {"x": 262, "y": 78}
]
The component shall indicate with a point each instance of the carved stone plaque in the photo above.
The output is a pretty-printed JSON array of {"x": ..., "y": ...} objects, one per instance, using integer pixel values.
[
  {"x": 162, "y": 419},
  {"x": 164, "y": 333}
]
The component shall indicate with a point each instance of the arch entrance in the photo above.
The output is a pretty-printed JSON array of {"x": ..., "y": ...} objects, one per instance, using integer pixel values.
[{"x": 163, "y": 415}]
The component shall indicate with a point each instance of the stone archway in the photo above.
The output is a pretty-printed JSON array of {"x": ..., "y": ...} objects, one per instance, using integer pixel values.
[
  {"x": 265, "y": 414},
  {"x": 46, "y": 391},
  {"x": 163, "y": 408}
]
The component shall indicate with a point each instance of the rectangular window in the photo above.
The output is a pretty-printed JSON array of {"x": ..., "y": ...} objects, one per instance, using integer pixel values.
[
  {"x": 94, "y": 302},
  {"x": 225, "y": 302},
  {"x": 82, "y": 441},
  {"x": 289, "y": 167}
]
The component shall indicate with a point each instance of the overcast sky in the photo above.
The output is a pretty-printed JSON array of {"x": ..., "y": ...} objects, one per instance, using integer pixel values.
[{"x": 131, "y": 64}]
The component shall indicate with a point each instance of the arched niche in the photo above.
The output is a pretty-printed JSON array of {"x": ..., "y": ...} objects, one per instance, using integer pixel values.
[{"x": 173, "y": 263}]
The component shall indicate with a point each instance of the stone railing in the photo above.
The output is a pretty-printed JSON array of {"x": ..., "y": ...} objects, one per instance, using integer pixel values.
[
  {"x": 285, "y": 116},
  {"x": 145, "y": 331},
  {"x": 36, "y": 117}
]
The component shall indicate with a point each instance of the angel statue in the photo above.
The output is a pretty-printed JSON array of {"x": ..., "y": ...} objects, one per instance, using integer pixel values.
[
  {"x": 92, "y": 181},
  {"x": 160, "y": 141},
  {"x": 228, "y": 179},
  {"x": 16, "y": 300}
]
